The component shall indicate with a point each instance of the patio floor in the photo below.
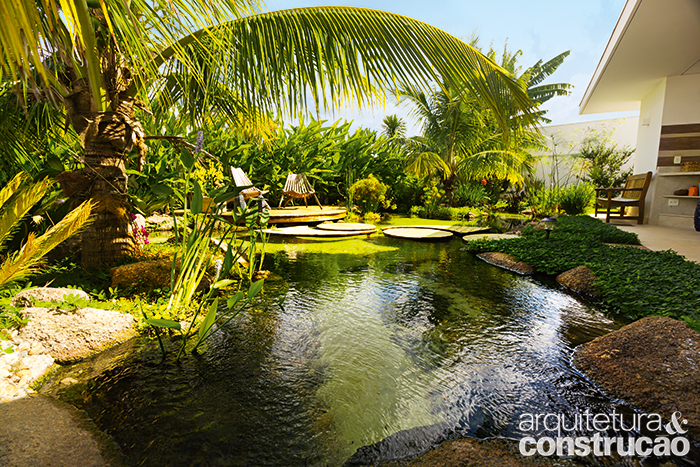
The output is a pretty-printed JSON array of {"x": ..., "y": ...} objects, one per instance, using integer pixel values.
[{"x": 655, "y": 237}]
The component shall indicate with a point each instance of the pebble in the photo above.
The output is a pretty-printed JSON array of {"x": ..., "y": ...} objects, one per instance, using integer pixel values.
[
  {"x": 69, "y": 381},
  {"x": 27, "y": 363}
]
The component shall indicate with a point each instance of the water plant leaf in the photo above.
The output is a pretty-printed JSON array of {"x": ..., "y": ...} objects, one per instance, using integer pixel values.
[
  {"x": 222, "y": 283},
  {"x": 231, "y": 302},
  {"x": 209, "y": 319},
  {"x": 228, "y": 261},
  {"x": 164, "y": 323},
  {"x": 187, "y": 159},
  {"x": 162, "y": 190},
  {"x": 255, "y": 288},
  {"x": 197, "y": 199}
]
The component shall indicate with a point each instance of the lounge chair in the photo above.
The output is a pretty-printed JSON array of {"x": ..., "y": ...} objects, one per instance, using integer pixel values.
[
  {"x": 240, "y": 179},
  {"x": 297, "y": 186},
  {"x": 633, "y": 194}
]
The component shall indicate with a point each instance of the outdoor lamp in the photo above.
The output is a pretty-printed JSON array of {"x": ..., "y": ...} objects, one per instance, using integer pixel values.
[{"x": 548, "y": 224}]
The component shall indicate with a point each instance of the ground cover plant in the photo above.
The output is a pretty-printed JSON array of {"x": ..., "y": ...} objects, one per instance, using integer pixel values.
[{"x": 633, "y": 282}]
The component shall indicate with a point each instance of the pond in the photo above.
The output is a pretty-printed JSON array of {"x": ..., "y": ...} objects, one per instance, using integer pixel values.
[{"x": 355, "y": 341}]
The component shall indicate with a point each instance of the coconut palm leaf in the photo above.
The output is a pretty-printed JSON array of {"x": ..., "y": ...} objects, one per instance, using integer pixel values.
[{"x": 333, "y": 56}]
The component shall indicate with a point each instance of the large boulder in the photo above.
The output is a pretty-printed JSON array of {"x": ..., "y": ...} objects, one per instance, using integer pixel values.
[
  {"x": 30, "y": 297},
  {"x": 579, "y": 279},
  {"x": 506, "y": 261},
  {"x": 145, "y": 275},
  {"x": 470, "y": 452},
  {"x": 73, "y": 335},
  {"x": 43, "y": 431},
  {"x": 652, "y": 363}
]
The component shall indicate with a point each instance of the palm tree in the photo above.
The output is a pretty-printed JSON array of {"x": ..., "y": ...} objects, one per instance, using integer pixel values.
[
  {"x": 100, "y": 61},
  {"x": 394, "y": 127},
  {"x": 462, "y": 140}
]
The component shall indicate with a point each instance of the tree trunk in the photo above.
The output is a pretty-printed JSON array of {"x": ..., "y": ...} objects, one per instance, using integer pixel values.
[{"x": 107, "y": 138}]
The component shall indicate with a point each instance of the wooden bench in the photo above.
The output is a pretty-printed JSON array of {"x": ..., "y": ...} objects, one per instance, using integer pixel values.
[{"x": 633, "y": 194}]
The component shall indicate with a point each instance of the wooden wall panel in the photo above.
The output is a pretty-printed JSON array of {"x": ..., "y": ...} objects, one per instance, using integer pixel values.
[{"x": 679, "y": 140}]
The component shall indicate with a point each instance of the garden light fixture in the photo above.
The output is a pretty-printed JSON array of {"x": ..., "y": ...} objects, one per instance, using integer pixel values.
[{"x": 548, "y": 225}]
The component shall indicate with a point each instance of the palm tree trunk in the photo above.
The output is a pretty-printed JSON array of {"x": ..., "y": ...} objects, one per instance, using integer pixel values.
[
  {"x": 107, "y": 137},
  {"x": 108, "y": 238}
]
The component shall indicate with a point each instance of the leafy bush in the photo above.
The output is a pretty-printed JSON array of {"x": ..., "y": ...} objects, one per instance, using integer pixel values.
[
  {"x": 369, "y": 194},
  {"x": 575, "y": 199},
  {"x": 605, "y": 163},
  {"x": 416, "y": 211},
  {"x": 470, "y": 194},
  {"x": 633, "y": 282},
  {"x": 432, "y": 197}
]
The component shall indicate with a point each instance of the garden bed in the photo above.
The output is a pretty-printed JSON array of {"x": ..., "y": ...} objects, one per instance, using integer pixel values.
[{"x": 633, "y": 282}]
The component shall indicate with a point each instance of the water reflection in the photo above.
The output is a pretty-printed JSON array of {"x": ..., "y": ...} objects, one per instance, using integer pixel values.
[{"x": 376, "y": 336}]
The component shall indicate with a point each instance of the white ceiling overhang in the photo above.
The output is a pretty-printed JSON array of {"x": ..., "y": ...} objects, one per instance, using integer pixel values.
[{"x": 653, "y": 39}]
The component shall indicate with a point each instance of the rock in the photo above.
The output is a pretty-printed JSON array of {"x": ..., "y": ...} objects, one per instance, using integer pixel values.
[
  {"x": 41, "y": 431},
  {"x": 148, "y": 275},
  {"x": 652, "y": 363},
  {"x": 27, "y": 298},
  {"x": 580, "y": 279},
  {"x": 145, "y": 275},
  {"x": 506, "y": 261},
  {"x": 73, "y": 335},
  {"x": 160, "y": 223},
  {"x": 36, "y": 349},
  {"x": 69, "y": 381},
  {"x": 471, "y": 452}
]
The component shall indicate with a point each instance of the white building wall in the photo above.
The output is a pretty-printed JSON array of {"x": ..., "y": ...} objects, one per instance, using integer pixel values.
[
  {"x": 682, "y": 101},
  {"x": 649, "y": 133},
  {"x": 560, "y": 161}
]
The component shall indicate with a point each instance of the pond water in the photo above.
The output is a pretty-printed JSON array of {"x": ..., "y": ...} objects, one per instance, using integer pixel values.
[{"x": 356, "y": 340}]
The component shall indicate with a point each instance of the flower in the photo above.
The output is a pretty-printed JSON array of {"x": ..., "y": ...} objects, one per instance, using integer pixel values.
[
  {"x": 484, "y": 181},
  {"x": 200, "y": 142}
]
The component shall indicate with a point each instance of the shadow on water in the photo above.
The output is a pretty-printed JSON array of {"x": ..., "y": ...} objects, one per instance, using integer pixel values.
[{"x": 376, "y": 339}]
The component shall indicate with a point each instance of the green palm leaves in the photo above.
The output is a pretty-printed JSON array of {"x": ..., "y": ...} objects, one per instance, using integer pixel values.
[
  {"x": 16, "y": 199},
  {"x": 281, "y": 61}
]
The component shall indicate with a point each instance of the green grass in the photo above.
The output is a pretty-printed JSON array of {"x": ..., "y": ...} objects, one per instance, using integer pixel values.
[{"x": 634, "y": 283}]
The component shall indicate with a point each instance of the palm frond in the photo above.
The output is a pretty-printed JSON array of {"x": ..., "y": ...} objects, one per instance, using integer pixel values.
[
  {"x": 19, "y": 205},
  {"x": 335, "y": 56},
  {"x": 23, "y": 263}
]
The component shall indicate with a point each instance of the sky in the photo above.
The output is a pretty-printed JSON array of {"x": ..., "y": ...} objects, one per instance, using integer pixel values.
[{"x": 542, "y": 29}]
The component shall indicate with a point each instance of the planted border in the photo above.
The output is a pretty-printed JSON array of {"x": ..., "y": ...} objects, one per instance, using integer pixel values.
[{"x": 634, "y": 283}]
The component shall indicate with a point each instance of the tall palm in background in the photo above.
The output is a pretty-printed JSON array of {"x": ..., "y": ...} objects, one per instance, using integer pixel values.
[
  {"x": 102, "y": 61},
  {"x": 463, "y": 140}
]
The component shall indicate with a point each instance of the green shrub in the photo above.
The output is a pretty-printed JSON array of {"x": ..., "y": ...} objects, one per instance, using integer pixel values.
[
  {"x": 416, "y": 211},
  {"x": 576, "y": 199},
  {"x": 369, "y": 194}
]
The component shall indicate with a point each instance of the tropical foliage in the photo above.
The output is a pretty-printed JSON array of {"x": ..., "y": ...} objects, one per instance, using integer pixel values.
[
  {"x": 16, "y": 200},
  {"x": 102, "y": 63}
]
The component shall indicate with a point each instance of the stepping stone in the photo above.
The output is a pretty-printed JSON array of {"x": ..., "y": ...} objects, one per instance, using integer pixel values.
[
  {"x": 458, "y": 229},
  {"x": 305, "y": 231},
  {"x": 487, "y": 236},
  {"x": 412, "y": 233},
  {"x": 347, "y": 227}
]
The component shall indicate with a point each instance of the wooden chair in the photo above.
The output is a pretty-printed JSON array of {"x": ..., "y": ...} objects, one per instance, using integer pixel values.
[
  {"x": 633, "y": 194},
  {"x": 297, "y": 186},
  {"x": 241, "y": 179}
]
